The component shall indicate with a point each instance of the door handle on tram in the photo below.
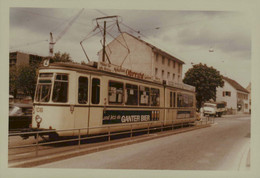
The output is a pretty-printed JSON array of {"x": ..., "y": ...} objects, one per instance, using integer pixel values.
[{"x": 71, "y": 108}]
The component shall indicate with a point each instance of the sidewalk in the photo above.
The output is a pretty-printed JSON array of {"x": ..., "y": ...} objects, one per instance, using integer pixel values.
[{"x": 236, "y": 115}]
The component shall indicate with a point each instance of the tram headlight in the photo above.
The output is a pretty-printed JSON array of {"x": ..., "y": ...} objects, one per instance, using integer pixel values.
[{"x": 38, "y": 119}]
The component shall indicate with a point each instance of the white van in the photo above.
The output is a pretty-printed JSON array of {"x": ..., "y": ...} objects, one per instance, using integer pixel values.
[{"x": 214, "y": 109}]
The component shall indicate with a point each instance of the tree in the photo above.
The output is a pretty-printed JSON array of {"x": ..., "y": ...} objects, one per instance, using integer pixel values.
[
  {"x": 13, "y": 75},
  {"x": 24, "y": 78},
  {"x": 27, "y": 78},
  {"x": 64, "y": 57},
  {"x": 205, "y": 79}
]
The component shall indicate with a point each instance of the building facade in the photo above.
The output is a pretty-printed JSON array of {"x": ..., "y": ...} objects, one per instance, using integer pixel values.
[
  {"x": 234, "y": 95},
  {"x": 133, "y": 53},
  {"x": 19, "y": 58}
]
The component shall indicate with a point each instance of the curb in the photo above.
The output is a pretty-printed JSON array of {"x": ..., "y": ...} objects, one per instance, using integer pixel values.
[
  {"x": 48, "y": 159},
  {"x": 245, "y": 160}
]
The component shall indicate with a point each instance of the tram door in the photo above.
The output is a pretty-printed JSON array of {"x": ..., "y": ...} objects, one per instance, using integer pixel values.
[
  {"x": 82, "y": 101},
  {"x": 96, "y": 111}
]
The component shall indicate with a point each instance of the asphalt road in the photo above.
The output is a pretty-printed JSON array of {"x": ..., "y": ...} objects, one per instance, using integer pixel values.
[{"x": 222, "y": 146}]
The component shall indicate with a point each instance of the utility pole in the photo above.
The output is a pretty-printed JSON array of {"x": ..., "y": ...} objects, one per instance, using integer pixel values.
[
  {"x": 51, "y": 45},
  {"x": 104, "y": 43}
]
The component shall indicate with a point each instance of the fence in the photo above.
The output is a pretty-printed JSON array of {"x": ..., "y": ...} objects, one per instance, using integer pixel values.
[{"x": 109, "y": 134}]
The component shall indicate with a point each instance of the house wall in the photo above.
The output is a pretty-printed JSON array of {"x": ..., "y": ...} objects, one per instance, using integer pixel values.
[
  {"x": 233, "y": 100},
  {"x": 243, "y": 99},
  {"x": 139, "y": 59},
  {"x": 142, "y": 59},
  {"x": 22, "y": 59},
  {"x": 230, "y": 100},
  {"x": 169, "y": 67}
]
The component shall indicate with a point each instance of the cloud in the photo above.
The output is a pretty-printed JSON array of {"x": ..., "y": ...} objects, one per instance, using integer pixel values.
[
  {"x": 187, "y": 35},
  {"x": 223, "y": 33}
]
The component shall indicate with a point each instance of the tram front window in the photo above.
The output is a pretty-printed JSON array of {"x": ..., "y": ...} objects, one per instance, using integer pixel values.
[
  {"x": 60, "y": 89},
  {"x": 43, "y": 91}
]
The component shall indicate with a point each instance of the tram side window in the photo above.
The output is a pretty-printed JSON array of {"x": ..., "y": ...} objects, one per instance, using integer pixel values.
[
  {"x": 144, "y": 96},
  {"x": 174, "y": 99},
  {"x": 83, "y": 90},
  {"x": 190, "y": 101},
  {"x": 184, "y": 100},
  {"x": 131, "y": 94},
  {"x": 95, "y": 91},
  {"x": 60, "y": 89},
  {"x": 171, "y": 100},
  {"x": 155, "y": 97},
  {"x": 179, "y": 100},
  {"x": 115, "y": 92}
]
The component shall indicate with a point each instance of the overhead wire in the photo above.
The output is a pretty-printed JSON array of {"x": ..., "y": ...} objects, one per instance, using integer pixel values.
[
  {"x": 50, "y": 17},
  {"x": 28, "y": 44}
]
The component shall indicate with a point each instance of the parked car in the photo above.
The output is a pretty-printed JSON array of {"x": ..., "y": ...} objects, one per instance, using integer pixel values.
[{"x": 20, "y": 115}]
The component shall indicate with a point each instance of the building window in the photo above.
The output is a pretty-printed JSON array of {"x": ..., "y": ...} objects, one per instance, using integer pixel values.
[
  {"x": 168, "y": 75},
  {"x": 173, "y": 77},
  {"x": 246, "y": 106},
  {"x": 179, "y": 68},
  {"x": 12, "y": 62},
  {"x": 156, "y": 57},
  {"x": 156, "y": 72},
  {"x": 115, "y": 92},
  {"x": 163, "y": 60},
  {"x": 179, "y": 78},
  {"x": 131, "y": 94},
  {"x": 162, "y": 74},
  {"x": 144, "y": 95},
  {"x": 169, "y": 62},
  {"x": 95, "y": 91},
  {"x": 83, "y": 90},
  {"x": 226, "y": 93}
]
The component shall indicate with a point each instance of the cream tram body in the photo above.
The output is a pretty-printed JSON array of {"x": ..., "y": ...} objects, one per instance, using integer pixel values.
[{"x": 73, "y": 96}]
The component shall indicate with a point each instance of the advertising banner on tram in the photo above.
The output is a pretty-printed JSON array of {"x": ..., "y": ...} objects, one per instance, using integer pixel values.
[{"x": 122, "y": 116}]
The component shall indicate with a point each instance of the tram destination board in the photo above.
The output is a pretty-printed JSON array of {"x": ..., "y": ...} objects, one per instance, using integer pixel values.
[{"x": 123, "y": 116}]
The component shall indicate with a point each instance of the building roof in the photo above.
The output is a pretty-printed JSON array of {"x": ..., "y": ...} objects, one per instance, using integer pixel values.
[
  {"x": 236, "y": 85},
  {"x": 157, "y": 50},
  {"x": 249, "y": 87}
]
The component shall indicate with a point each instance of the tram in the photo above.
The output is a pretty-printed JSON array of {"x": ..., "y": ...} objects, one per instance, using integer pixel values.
[{"x": 98, "y": 94}]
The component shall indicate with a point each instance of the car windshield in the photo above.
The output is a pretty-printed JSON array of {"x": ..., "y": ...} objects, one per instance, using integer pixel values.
[
  {"x": 43, "y": 91},
  {"x": 209, "y": 105}
]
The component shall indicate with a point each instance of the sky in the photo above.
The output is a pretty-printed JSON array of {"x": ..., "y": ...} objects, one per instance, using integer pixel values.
[{"x": 187, "y": 35}]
